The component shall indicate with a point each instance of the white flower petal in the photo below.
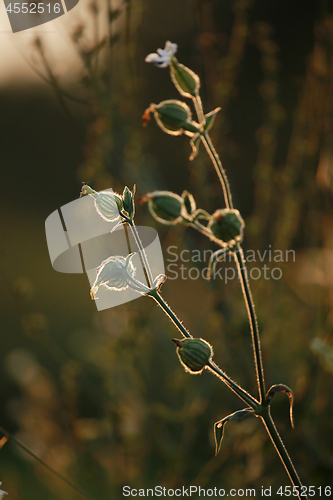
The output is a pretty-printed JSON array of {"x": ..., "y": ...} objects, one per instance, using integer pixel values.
[
  {"x": 171, "y": 47},
  {"x": 152, "y": 57},
  {"x": 164, "y": 56}
]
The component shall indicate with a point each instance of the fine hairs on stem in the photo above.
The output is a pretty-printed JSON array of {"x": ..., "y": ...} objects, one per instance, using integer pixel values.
[{"x": 225, "y": 228}]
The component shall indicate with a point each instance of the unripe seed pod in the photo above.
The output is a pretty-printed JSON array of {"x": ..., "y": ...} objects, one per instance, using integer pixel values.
[
  {"x": 194, "y": 354},
  {"x": 108, "y": 204},
  {"x": 227, "y": 225},
  {"x": 185, "y": 80},
  {"x": 165, "y": 206},
  {"x": 174, "y": 117}
]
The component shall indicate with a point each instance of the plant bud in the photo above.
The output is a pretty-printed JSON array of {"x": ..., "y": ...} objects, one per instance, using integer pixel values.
[
  {"x": 108, "y": 204},
  {"x": 165, "y": 206},
  {"x": 114, "y": 273},
  {"x": 128, "y": 201},
  {"x": 227, "y": 225},
  {"x": 174, "y": 117},
  {"x": 194, "y": 354},
  {"x": 185, "y": 80}
]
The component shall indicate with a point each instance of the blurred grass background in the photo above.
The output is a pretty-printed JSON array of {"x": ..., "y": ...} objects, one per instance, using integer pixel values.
[{"x": 100, "y": 396}]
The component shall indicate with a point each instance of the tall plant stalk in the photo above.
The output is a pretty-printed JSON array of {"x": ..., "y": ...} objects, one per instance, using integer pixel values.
[
  {"x": 224, "y": 227},
  {"x": 188, "y": 85}
]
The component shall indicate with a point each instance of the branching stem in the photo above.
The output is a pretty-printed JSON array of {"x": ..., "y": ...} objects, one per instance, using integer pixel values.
[{"x": 237, "y": 389}]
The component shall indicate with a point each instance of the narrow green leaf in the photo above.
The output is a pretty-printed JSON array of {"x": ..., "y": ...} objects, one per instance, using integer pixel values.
[
  {"x": 218, "y": 435},
  {"x": 210, "y": 118}
]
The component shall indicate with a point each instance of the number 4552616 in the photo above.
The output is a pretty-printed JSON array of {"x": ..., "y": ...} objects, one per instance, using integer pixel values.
[
  {"x": 33, "y": 8},
  {"x": 305, "y": 491}
]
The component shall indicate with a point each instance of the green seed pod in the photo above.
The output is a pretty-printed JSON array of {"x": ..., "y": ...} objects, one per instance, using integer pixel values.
[
  {"x": 108, "y": 205},
  {"x": 174, "y": 117},
  {"x": 194, "y": 354},
  {"x": 227, "y": 225},
  {"x": 185, "y": 80},
  {"x": 165, "y": 206}
]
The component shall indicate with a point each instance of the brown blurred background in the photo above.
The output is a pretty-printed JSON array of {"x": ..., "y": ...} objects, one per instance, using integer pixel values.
[{"x": 101, "y": 396}]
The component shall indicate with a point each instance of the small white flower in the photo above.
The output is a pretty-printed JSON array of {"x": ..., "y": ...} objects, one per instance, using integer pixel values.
[
  {"x": 164, "y": 56},
  {"x": 117, "y": 273},
  {"x": 114, "y": 273}
]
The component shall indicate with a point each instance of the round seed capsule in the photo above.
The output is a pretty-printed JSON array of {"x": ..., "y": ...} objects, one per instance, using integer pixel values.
[{"x": 194, "y": 354}]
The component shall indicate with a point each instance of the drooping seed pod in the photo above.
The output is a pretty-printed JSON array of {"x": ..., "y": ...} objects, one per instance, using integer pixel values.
[
  {"x": 226, "y": 225},
  {"x": 194, "y": 354},
  {"x": 165, "y": 206},
  {"x": 114, "y": 273},
  {"x": 107, "y": 203}
]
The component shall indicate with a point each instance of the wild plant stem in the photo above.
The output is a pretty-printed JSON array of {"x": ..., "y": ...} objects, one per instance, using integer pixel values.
[
  {"x": 250, "y": 307},
  {"x": 32, "y": 454},
  {"x": 245, "y": 396},
  {"x": 199, "y": 110},
  {"x": 264, "y": 409},
  {"x": 282, "y": 451},
  {"x": 242, "y": 273},
  {"x": 142, "y": 253},
  {"x": 219, "y": 169}
]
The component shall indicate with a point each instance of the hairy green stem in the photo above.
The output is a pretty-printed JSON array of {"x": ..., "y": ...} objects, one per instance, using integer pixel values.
[
  {"x": 199, "y": 110},
  {"x": 221, "y": 173},
  {"x": 142, "y": 252},
  {"x": 263, "y": 410},
  {"x": 242, "y": 272},
  {"x": 248, "y": 299},
  {"x": 245, "y": 396},
  {"x": 282, "y": 451}
]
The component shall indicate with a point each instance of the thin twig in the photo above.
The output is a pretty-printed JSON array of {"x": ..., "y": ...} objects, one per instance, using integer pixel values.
[{"x": 32, "y": 454}]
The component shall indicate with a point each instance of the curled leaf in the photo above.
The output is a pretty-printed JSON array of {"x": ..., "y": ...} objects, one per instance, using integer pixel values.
[
  {"x": 282, "y": 388},
  {"x": 159, "y": 281},
  {"x": 214, "y": 259},
  {"x": 195, "y": 141},
  {"x": 219, "y": 426}
]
